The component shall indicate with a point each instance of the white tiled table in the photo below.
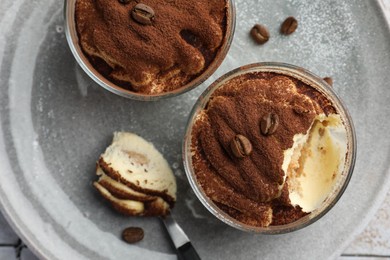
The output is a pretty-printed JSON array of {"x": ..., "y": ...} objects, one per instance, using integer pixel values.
[{"x": 372, "y": 243}]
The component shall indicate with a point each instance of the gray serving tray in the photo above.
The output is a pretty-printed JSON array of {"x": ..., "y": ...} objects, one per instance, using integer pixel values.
[{"x": 55, "y": 121}]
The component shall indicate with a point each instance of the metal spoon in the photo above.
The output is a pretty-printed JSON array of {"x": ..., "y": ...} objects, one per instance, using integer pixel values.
[{"x": 185, "y": 249}]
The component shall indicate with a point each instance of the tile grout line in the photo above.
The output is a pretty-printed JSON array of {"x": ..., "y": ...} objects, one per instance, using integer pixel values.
[
  {"x": 15, "y": 245},
  {"x": 365, "y": 255},
  {"x": 18, "y": 248}
]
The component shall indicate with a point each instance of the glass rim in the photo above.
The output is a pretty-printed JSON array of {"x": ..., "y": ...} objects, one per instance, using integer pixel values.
[
  {"x": 82, "y": 60},
  {"x": 312, "y": 80}
]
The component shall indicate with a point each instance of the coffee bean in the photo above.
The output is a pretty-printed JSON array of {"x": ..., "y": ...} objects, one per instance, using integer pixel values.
[
  {"x": 143, "y": 14},
  {"x": 124, "y": 1},
  {"x": 289, "y": 26},
  {"x": 300, "y": 110},
  {"x": 269, "y": 123},
  {"x": 259, "y": 33},
  {"x": 133, "y": 234},
  {"x": 328, "y": 80},
  {"x": 240, "y": 146}
]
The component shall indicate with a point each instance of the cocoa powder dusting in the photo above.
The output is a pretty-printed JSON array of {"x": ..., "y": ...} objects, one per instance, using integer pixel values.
[
  {"x": 180, "y": 42},
  {"x": 252, "y": 189}
]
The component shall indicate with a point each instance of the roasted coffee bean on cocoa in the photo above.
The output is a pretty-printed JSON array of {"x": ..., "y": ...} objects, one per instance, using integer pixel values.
[
  {"x": 269, "y": 123},
  {"x": 260, "y": 33},
  {"x": 133, "y": 234},
  {"x": 300, "y": 110},
  {"x": 143, "y": 14},
  {"x": 241, "y": 146},
  {"x": 289, "y": 26}
]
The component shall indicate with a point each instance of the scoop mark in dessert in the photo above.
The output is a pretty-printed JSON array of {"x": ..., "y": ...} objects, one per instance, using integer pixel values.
[
  {"x": 278, "y": 105},
  {"x": 124, "y": 1}
]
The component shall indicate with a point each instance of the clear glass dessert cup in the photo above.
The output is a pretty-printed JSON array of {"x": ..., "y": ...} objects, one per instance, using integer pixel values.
[
  {"x": 73, "y": 41},
  {"x": 311, "y": 80}
]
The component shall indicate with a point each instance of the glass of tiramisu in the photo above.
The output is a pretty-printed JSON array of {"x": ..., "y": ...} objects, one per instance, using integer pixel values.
[
  {"x": 269, "y": 148},
  {"x": 150, "y": 49}
]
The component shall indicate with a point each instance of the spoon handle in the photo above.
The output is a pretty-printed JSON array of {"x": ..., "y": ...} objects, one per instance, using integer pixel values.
[{"x": 185, "y": 249}]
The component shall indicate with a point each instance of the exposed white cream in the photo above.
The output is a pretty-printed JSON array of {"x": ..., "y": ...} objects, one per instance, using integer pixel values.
[
  {"x": 136, "y": 207},
  {"x": 118, "y": 185},
  {"x": 314, "y": 164},
  {"x": 140, "y": 163}
]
